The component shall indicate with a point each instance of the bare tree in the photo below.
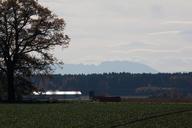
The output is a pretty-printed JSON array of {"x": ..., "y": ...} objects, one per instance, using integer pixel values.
[{"x": 28, "y": 31}]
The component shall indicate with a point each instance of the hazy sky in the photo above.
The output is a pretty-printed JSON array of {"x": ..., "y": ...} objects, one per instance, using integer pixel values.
[{"x": 157, "y": 33}]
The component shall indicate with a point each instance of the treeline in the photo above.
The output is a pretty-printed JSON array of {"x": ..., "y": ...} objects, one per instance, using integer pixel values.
[{"x": 119, "y": 84}]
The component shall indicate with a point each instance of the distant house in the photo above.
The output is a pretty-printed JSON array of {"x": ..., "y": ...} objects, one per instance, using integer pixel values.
[{"x": 54, "y": 95}]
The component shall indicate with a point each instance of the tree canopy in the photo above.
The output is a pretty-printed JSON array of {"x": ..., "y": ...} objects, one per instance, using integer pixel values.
[{"x": 28, "y": 31}]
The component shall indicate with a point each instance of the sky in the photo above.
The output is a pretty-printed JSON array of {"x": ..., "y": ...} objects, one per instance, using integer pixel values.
[{"x": 157, "y": 33}]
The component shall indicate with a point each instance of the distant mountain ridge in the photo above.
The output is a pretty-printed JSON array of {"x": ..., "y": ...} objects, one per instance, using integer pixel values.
[{"x": 105, "y": 67}]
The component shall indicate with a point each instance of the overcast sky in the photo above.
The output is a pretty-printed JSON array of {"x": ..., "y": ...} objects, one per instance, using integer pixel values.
[{"x": 157, "y": 33}]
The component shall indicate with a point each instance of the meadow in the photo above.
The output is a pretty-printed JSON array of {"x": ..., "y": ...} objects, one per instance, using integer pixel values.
[{"x": 96, "y": 115}]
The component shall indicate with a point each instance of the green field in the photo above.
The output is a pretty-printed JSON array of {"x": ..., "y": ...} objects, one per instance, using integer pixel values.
[{"x": 95, "y": 115}]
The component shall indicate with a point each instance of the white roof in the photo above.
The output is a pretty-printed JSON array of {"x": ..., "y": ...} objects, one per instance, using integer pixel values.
[{"x": 58, "y": 93}]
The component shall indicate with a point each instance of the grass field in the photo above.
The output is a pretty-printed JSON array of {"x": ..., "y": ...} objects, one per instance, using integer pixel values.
[{"x": 95, "y": 115}]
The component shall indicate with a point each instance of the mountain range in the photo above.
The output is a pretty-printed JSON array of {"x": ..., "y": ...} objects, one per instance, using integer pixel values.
[{"x": 104, "y": 67}]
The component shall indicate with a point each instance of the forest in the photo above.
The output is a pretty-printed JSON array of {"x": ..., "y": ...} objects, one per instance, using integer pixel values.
[{"x": 120, "y": 84}]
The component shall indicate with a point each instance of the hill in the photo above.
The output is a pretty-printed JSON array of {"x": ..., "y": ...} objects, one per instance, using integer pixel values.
[{"x": 105, "y": 67}]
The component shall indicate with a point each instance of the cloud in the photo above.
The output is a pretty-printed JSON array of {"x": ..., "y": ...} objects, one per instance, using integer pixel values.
[
  {"x": 178, "y": 22},
  {"x": 147, "y": 31},
  {"x": 146, "y": 51},
  {"x": 164, "y": 33}
]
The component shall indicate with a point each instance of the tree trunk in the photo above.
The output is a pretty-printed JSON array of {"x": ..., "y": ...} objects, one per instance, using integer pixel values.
[{"x": 11, "y": 87}]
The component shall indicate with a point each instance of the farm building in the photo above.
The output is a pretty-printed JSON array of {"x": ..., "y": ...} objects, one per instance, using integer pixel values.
[
  {"x": 107, "y": 99},
  {"x": 54, "y": 95}
]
